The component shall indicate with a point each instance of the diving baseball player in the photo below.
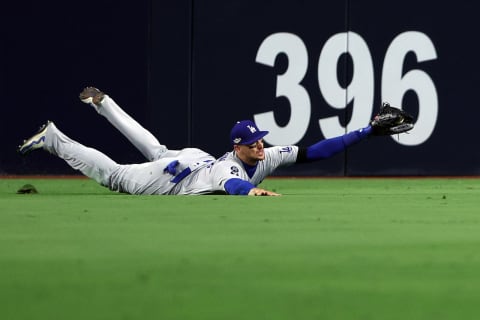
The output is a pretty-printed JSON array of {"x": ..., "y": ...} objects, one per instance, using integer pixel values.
[{"x": 188, "y": 171}]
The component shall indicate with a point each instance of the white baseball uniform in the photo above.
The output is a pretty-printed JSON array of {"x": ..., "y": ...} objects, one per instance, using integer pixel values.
[{"x": 174, "y": 172}]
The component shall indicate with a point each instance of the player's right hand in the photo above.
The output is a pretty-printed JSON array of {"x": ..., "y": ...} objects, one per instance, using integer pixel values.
[{"x": 262, "y": 192}]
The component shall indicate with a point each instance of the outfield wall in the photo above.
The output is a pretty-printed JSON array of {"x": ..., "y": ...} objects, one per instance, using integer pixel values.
[{"x": 305, "y": 70}]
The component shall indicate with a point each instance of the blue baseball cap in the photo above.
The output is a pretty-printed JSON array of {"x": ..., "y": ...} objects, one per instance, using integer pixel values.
[{"x": 246, "y": 132}]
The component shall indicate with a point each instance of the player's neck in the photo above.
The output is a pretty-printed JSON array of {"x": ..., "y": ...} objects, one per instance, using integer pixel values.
[{"x": 248, "y": 162}]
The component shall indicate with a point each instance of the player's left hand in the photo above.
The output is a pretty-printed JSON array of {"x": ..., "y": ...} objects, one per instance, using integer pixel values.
[
  {"x": 262, "y": 192},
  {"x": 391, "y": 120}
]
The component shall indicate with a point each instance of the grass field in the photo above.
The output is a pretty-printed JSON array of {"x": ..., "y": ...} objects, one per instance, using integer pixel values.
[{"x": 327, "y": 249}]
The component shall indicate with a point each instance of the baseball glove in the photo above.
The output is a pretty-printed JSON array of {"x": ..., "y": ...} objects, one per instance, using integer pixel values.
[{"x": 391, "y": 120}]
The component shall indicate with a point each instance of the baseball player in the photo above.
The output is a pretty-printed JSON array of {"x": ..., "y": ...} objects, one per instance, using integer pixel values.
[{"x": 188, "y": 171}]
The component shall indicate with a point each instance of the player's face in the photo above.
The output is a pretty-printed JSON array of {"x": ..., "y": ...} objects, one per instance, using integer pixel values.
[{"x": 251, "y": 153}]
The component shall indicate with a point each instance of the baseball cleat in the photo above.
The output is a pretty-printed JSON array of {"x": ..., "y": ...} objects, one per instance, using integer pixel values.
[
  {"x": 91, "y": 95},
  {"x": 35, "y": 142}
]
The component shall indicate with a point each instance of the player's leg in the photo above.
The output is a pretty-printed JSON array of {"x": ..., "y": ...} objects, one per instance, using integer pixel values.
[
  {"x": 90, "y": 162},
  {"x": 141, "y": 138}
]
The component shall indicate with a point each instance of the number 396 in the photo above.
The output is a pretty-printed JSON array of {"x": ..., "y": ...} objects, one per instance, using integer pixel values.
[{"x": 360, "y": 90}]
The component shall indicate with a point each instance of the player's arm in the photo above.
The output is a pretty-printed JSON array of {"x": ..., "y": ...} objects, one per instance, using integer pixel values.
[
  {"x": 329, "y": 147},
  {"x": 236, "y": 186}
]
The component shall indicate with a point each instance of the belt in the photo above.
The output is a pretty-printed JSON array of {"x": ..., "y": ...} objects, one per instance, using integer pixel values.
[{"x": 171, "y": 168}]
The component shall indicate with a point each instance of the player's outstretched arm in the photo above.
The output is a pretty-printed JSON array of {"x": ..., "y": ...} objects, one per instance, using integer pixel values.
[{"x": 329, "y": 147}]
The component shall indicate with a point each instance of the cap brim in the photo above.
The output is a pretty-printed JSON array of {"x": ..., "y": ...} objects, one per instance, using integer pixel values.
[{"x": 255, "y": 137}]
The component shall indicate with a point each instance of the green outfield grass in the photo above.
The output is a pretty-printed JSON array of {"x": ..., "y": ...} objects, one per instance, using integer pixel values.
[{"x": 327, "y": 249}]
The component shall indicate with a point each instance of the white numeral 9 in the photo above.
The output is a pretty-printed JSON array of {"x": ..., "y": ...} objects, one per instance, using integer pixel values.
[{"x": 359, "y": 90}]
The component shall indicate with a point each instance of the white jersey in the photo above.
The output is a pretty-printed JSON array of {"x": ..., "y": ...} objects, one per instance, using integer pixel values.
[{"x": 211, "y": 177}]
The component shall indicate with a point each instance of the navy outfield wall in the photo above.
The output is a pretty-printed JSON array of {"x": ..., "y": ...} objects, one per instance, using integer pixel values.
[
  {"x": 305, "y": 70},
  {"x": 50, "y": 50}
]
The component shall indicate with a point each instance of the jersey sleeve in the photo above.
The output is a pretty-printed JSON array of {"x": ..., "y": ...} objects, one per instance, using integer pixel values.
[
  {"x": 223, "y": 171},
  {"x": 279, "y": 156}
]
